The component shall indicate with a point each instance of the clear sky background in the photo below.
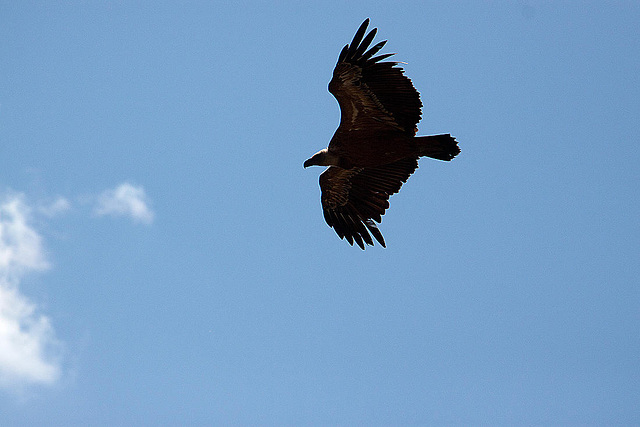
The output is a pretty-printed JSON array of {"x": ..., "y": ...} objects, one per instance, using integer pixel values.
[{"x": 163, "y": 255}]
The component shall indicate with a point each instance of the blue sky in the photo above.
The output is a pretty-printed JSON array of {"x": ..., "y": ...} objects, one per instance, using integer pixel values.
[{"x": 163, "y": 256}]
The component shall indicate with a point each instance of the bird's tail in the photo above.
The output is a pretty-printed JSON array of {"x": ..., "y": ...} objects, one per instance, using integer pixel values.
[{"x": 441, "y": 147}]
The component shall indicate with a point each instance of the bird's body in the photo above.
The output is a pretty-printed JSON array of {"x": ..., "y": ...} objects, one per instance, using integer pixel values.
[{"x": 374, "y": 150}]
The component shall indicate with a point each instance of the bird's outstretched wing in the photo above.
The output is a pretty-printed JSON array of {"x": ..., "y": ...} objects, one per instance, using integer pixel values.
[
  {"x": 371, "y": 92},
  {"x": 352, "y": 199}
]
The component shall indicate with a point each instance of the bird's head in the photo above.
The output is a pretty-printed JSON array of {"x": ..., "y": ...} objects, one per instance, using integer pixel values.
[
  {"x": 317, "y": 159},
  {"x": 322, "y": 158}
]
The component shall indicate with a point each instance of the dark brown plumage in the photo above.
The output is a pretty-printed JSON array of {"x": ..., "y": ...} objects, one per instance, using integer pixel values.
[{"x": 374, "y": 150}]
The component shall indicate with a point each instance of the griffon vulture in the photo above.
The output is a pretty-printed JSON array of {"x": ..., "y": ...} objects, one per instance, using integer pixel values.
[{"x": 375, "y": 149}]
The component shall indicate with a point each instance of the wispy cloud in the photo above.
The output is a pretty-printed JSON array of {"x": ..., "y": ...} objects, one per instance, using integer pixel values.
[
  {"x": 29, "y": 350},
  {"x": 125, "y": 200},
  {"x": 57, "y": 207}
]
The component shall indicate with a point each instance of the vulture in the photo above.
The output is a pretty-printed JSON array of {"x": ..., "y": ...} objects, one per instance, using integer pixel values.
[{"x": 375, "y": 148}]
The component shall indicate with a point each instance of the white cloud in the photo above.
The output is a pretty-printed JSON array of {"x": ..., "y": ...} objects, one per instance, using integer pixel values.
[
  {"x": 20, "y": 245},
  {"x": 125, "y": 200},
  {"x": 30, "y": 353},
  {"x": 29, "y": 350},
  {"x": 28, "y": 346}
]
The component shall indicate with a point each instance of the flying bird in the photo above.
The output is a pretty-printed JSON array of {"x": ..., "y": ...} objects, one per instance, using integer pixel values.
[{"x": 375, "y": 149}]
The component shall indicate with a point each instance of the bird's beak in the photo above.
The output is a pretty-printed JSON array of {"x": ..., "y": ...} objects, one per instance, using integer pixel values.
[{"x": 307, "y": 163}]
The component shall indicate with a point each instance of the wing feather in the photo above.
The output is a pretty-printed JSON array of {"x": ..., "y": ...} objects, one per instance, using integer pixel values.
[
  {"x": 374, "y": 50},
  {"x": 357, "y": 38},
  {"x": 352, "y": 199},
  {"x": 364, "y": 44}
]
